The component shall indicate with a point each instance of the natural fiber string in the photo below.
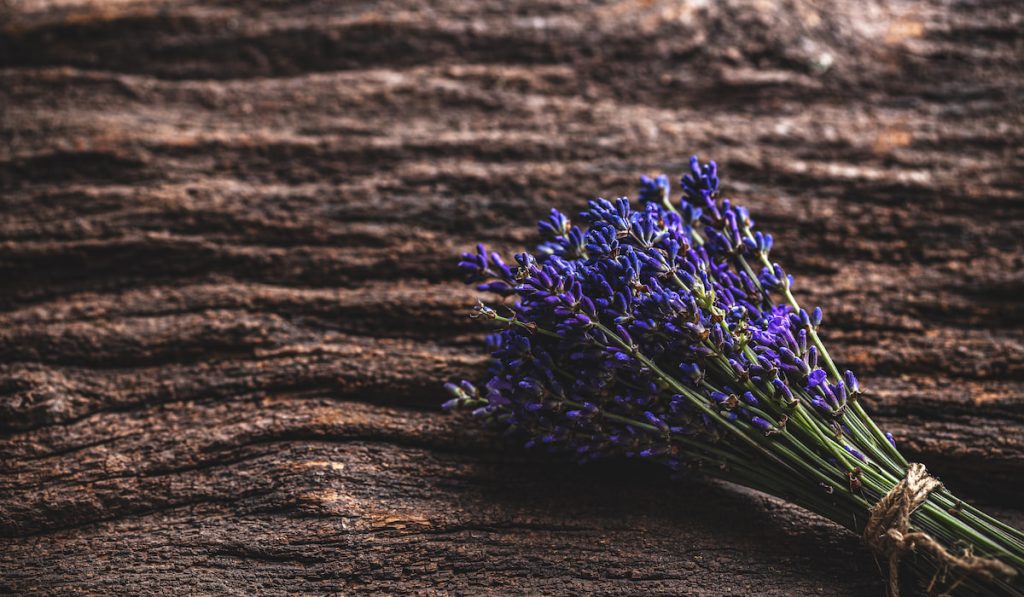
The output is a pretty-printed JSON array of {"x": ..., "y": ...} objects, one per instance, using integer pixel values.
[{"x": 887, "y": 531}]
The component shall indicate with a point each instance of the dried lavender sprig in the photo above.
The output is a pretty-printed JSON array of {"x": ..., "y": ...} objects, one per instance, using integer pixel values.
[{"x": 603, "y": 316}]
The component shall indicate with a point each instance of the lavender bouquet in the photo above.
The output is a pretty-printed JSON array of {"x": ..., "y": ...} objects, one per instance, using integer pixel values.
[{"x": 663, "y": 331}]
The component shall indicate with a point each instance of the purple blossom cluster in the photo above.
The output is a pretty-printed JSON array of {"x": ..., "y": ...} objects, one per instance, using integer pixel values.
[
  {"x": 662, "y": 330},
  {"x": 636, "y": 335}
]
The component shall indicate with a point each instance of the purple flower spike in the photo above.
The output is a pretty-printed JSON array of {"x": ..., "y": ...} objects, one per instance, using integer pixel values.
[
  {"x": 762, "y": 424},
  {"x": 851, "y": 382}
]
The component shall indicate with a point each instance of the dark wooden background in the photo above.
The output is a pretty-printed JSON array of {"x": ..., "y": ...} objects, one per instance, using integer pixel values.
[{"x": 227, "y": 292}]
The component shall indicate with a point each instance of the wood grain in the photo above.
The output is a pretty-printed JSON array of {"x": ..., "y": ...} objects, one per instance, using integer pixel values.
[{"x": 227, "y": 291}]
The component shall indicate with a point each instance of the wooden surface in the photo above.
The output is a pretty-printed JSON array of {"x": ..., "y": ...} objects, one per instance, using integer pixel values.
[{"x": 228, "y": 298}]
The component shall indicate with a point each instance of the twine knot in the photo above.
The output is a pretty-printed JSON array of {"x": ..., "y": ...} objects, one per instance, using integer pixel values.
[{"x": 887, "y": 531}]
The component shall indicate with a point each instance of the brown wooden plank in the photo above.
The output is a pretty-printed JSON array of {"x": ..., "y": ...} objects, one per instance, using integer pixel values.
[{"x": 227, "y": 293}]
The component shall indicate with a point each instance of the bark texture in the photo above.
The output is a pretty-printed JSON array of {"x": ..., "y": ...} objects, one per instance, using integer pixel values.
[{"x": 227, "y": 293}]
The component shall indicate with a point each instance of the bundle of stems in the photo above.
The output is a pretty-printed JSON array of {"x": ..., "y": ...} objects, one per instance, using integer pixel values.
[{"x": 663, "y": 331}]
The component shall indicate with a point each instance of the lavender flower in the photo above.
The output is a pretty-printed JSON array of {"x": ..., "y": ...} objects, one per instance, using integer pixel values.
[{"x": 663, "y": 331}]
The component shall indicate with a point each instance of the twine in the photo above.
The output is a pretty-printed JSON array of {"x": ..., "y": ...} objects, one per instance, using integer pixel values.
[{"x": 887, "y": 531}]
